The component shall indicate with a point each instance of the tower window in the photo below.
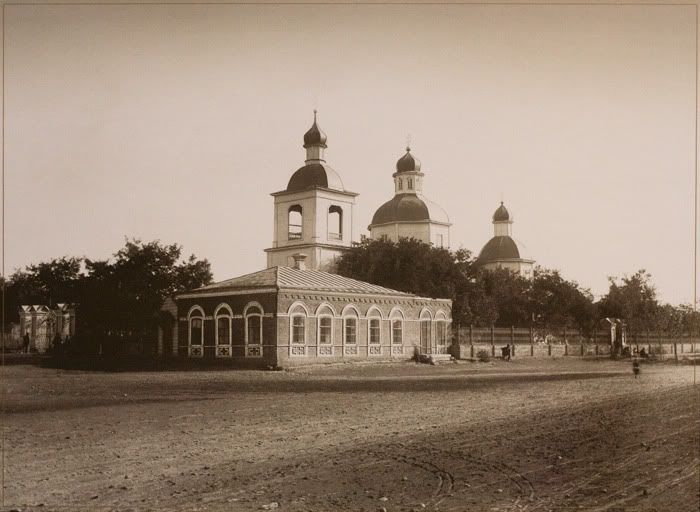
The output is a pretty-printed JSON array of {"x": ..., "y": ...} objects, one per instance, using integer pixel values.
[
  {"x": 335, "y": 223},
  {"x": 410, "y": 183},
  {"x": 400, "y": 184},
  {"x": 294, "y": 220}
]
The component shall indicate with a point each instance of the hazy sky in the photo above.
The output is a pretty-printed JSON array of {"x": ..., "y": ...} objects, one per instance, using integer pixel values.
[{"x": 176, "y": 122}]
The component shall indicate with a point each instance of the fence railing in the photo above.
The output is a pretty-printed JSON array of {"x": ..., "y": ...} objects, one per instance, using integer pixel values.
[{"x": 546, "y": 341}]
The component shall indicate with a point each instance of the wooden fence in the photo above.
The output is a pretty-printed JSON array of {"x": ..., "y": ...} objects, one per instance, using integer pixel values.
[{"x": 548, "y": 342}]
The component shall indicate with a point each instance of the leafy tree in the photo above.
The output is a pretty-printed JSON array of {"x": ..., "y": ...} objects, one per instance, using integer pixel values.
[
  {"x": 116, "y": 298},
  {"x": 557, "y": 302},
  {"x": 632, "y": 298}
]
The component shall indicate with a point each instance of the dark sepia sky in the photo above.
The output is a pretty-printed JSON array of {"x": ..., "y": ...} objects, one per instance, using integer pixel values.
[{"x": 176, "y": 122}]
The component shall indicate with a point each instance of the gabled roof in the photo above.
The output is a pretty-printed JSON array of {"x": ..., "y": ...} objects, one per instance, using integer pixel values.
[{"x": 291, "y": 278}]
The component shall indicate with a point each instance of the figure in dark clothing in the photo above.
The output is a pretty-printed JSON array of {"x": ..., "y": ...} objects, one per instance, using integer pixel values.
[
  {"x": 25, "y": 343},
  {"x": 643, "y": 353},
  {"x": 505, "y": 352},
  {"x": 635, "y": 368}
]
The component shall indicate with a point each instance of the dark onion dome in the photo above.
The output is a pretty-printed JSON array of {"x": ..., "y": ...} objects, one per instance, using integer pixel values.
[
  {"x": 501, "y": 214},
  {"x": 499, "y": 248},
  {"x": 408, "y": 163},
  {"x": 314, "y": 137},
  {"x": 315, "y": 175},
  {"x": 409, "y": 208}
]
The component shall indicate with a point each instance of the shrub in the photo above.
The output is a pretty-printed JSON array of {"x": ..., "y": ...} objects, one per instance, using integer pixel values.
[{"x": 484, "y": 356}]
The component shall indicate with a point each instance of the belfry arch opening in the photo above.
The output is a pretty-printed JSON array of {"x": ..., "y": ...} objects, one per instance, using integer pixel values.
[
  {"x": 335, "y": 223},
  {"x": 294, "y": 222}
]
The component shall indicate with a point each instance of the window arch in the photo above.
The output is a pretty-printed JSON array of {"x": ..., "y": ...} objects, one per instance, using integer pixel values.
[
  {"x": 441, "y": 332},
  {"x": 253, "y": 316},
  {"x": 325, "y": 315},
  {"x": 351, "y": 319},
  {"x": 294, "y": 222},
  {"x": 297, "y": 329},
  {"x": 425, "y": 331},
  {"x": 400, "y": 184},
  {"x": 223, "y": 317},
  {"x": 374, "y": 326},
  {"x": 396, "y": 319},
  {"x": 335, "y": 223},
  {"x": 410, "y": 183},
  {"x": 195, "y": 331}
]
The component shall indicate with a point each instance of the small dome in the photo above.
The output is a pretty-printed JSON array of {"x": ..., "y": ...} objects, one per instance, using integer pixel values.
[
  {"x": 315, "y": 137},
  {"x": 499, "y": 248},
  {"x": 407, "y": 163},
  {"x": 501, "y": 214},
  {"x": 409, "y": 208},
  {"x": 315, "y": 175}
]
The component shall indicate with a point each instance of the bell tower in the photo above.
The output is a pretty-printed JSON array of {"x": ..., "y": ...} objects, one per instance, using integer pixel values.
[{"x": 314, "y": 214}]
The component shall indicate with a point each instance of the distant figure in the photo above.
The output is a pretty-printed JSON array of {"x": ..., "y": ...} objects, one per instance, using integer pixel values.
[
  {"x": 505, "y": 352},
  {"x": 635, "y": 367},
  {"x": 643, "y": 353},
  {"x": 25, "y": 343},
  {"x": 56, "y": 342}
]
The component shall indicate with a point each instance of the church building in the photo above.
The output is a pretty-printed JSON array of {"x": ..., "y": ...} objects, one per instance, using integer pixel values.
[
  {"x": 409, "y": 214},
  {"x": 502, "y": 251},
  {"x": 293, "y": 312}
]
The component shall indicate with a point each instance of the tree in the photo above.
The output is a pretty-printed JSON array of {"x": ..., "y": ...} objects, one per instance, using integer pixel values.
[
  {"x": 118, "y": 298},
  {"x": 557, "y": 302},
  {"x": 633, "y": 299}
]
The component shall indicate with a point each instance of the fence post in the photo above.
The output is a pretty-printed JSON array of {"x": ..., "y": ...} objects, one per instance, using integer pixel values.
[
  {"x": 566, "y": 343},
  {"x": 512, "y": 341},
  {"x": 471, "y": 341},
  {"x": 493, "y": 342}
]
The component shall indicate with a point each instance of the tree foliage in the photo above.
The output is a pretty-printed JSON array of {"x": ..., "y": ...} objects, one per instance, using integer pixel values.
[
  {"x": 117, "y": 297},
  {"x": 503, "y": 298}
]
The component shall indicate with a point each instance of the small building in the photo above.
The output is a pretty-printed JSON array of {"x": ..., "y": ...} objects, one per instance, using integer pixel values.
[
  {"x": 293, "y": 315},
  {"x": 502, "y": 251},
  {"x": 409, "y": 214},
  {"x": 43, "y": 324}
]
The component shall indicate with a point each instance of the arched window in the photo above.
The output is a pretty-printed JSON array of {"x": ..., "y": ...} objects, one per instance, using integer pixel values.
[
  {"x": 335, "y": 223},
  {"x": 294, "y": 221},
  {"x": 223, "y": 317},
  {"x": 297, "y": 332},
  {"x": 396, "y": 327},
  {"x": 425, "y": 322},
  {"x": 253, "y": 315},
  {"x": 350, "y": 321},
  {"x": 374, "y": 326},
  {"x": 400, "y": 184},
  {"x": 325, "y": 325},
  {"x": 441, "y": 332},
  {"x": 196, "y": 331},
  {"x": 410, "y": 183}
]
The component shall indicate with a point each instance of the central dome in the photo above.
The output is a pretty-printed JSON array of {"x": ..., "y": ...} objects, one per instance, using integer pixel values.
[
  {"x": 408, "y": 163},
  {"x": 409, "y": 208}
]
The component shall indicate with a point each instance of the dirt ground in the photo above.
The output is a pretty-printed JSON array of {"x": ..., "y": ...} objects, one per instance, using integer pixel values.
[{"x": 544, "y": 435}]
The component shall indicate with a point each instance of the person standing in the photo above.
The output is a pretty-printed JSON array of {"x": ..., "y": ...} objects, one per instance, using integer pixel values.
[
  {"x": 25, "y": 343},
  {"x": 635, "y": 367}
]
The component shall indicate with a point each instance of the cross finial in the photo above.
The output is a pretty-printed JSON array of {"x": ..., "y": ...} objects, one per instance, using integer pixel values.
[{"x": 315, "y": 112}]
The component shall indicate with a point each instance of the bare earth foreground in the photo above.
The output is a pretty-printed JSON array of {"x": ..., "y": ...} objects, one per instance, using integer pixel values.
[{"x": 527, "y": 435}]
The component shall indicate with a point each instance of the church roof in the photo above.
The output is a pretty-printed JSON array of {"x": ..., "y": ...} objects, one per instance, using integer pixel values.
[
  {"x": 291, "y": 278},
  {"x": 315, "y": 175},
  {"x": 409, "y": 208},
  {"x": 499, "y": 248}
]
